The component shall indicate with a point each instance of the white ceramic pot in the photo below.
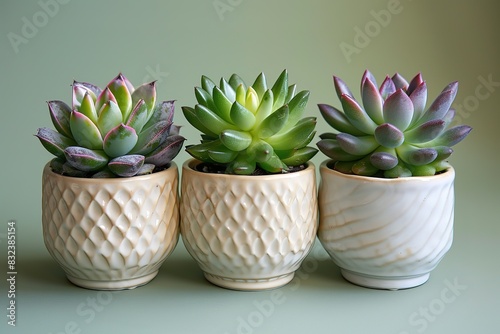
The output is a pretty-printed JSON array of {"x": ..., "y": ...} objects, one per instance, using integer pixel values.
[
  {"x": 110, "y": 234},
  {"x": 386, "y": 233},
  {"x": 248, "y": 232}
]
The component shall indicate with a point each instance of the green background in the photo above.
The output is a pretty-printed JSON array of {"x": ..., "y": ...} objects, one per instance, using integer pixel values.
[{"x": 175, "y": 42}]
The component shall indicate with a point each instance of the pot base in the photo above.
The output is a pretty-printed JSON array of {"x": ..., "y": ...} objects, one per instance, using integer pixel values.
[
  {"x": 384, "y": 283},
  {"x": 250, "y": 284},
  {"x": 125, "y": 284}
]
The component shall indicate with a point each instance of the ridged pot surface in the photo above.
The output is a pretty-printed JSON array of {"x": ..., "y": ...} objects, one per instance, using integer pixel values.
[
  {"x": 110, "y": 234},
  {"x": 386, "y": 233},
  {"x": 248, "y": 232}
]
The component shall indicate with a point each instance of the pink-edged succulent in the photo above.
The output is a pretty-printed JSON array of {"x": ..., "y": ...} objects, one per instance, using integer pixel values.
[
  {"x": 391, "y": 133},
  {"x": 118, "y": 131}
]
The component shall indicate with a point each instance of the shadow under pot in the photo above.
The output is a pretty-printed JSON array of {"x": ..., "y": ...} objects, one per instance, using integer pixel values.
[
  {"x": 248, "y": 232},
  {"x": 110, "y": 234}
]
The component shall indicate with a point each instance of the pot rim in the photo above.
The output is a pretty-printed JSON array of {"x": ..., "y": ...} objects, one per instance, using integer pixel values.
[
  {"x": 188, "y": 166},
  {"x": 47, "y": 170},
  {"x": 448, "y": 173}
]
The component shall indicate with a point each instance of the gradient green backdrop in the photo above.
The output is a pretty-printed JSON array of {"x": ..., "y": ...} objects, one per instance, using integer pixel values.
[{"x": 46, "y": 44}]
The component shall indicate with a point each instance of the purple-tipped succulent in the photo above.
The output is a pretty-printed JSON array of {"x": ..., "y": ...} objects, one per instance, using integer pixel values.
[
  {"x": 391, "y": 133},
  {"x": 118, "y": 131}
]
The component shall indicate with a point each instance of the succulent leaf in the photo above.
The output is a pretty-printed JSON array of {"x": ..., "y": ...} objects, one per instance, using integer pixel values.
[
  {"x": 120, "y": 140},
  {"x": 383, "y": 160},
  {"x": 87, "y": 107},
  {"x": 120, "y": 91},
  {"x": 96, "y": 91},
  {"x": 295, "y": 137},
  {"x": 280, "y": 89},
  {"x": 389, "y": 135},
  {"x": 190, "y": 115},
  {"x": 357, "y": 145},
  {"x": 273, "y": 123},
  {"x": 84, "y": 131},
  {"x": 235, "y": 81},
  {"x": 126, "y": 165},
  {"x": 373, "y": 102},
  {"x": 364, "y": 167},
  {"x": 213, "y": 122},
  {"x": 419, "y": 98},
  {"x": 266, "y": 106},
  {"x": 53, "y": 141},
  {"x": 60, "y": 113},
  {"x": 252, "y": 100},
  {"x": 425, "y": 132},
  {"x": 341, "y": 88},
  {"x": 222, "y": 103},
  {"x": 260, "y": 151},
  {"x": 204, "y": 98},
  {"x": 296, "y": 107},
  {"x": 332, "y": 149},
  {"x": 291, "y": 93},
  {"x": 357, "y": 116},
  {"x": 260, "y": 85},
  {"x": 242, "y": 117},
  {"x": 416, "y": 81},
  {"x": 227, "y": 90},
  {"x": 207, "y": 84},
  {"x": 399, "y": 82},
  {"x": 147, "y": 93},
  {"x": 337, "y": 119},
  {"x": 300, "y": 156},
  {"x": 85, "y": 159},
  {"x": 109, "y": 117},
  {"x": 139, "y": 116},
  {"x": 167, "y": 151},
  {"x": 387, "y": 88},
  {"x": 451, "y": 136},
  {"x": 398, "y": 110},
  {"x": 104, "y": 98},
  {"x": 438, "y": 108},
  {"x": 235, "y": 140},
  {"x": 151, "y": 137},
  {"x": 222, "y": 154}
]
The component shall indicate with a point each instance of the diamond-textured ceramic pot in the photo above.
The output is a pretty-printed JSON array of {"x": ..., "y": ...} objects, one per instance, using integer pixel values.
[
  {"x": 110, "y": 234},
  {"x": 248, "y": 232},
  {"x": 386, "y": 233}
]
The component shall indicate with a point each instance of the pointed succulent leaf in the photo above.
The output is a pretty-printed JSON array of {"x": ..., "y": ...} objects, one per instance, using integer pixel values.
[
  {"x": 167, "y": 151},
  {"x": 416, "y": 156},
  {"x": 387, "y": 88},
  {"x": 260, "y": 85},
  {"x": 451, "y": 136},
  {"x": 397, "y": 171},
  {"x": 207, "y": 84},
  {"x": 242, "y": 117},
  {"x": 266, "y": 106},
  {"x": 163, "y": 111},
  {"x": 53, "y": 141},
  {"x": 96, "y": 91},
  {"x": 251, "y": 100},
  {"x": 357, "y": 116},
  {"x": 213, "y": 122},
  {"x": 364, "y": 167},
  {"x": 280, "y": 89},
  {"x": 449, "y": 117},
  {"x": 344, "y": 166},
  {"x": 453, "y": 87},
  {"x": 235, "y": 81},
  {"x": 357, "y": 145},
  {"x": 443, "y": 152},
  {"x": 105, "y": 173},
  {"x": 295, "y": 137},
  {"x": 79, "y": 92},
  {"x": 372, "y": 101},
  {"x": 227, "y": 90},
  {"x": 367, "y": 75},
  {"x": 273, "y": 165},
  {"x": 300, "y": 156},
  {"x": 419, "y": 98},
  {"x": 331, "y": 148},
  {"x": 109, "y": 117},
  {"x": 241, "y": 93},
  {"x": 104, "y": 98},
  {"x": 273, "y": 123},
  {"x": 398, "y": 110},
  {"x": 296, "y": 108},
  {"x": 383, "y": 160},
  {"x": 388, "y": 135},
  {"x": 120, "y": 140},
  {"x": 337, "y": 120},
  {"x": 204, "y": 98},
  {"x": 291, "y": 93},
  {"x": 222, "y": 154},
  {"x": 414, "y": 83},
  {"x": 87, "y": 107},
  {"x": 56, "y": 164},
  {"x": 139, "y": 116},
  {"x": 71, "y": 171},
  {"x": 341, "y": 88},
  {"x": 192, "y": 118},
  {"x": 260, "y": 151},
  {"x": 424, "y": 170},
  {"x": 200, "y": 151},
  {"x": 222, "y": 103},
  {"x": 425, "y": 132},
  {"x": 399, "y": 82},
  {"x": 235, "y": 140},
  {"x": 328, "y": 135},
  {"x": 84, "y": 131},
  {"x": 127, "y": 82},
  {"x": 439, "y": 107},
  {"x": 60, "y": 113},
  {"x": 241, "y": 165},
  {"x": 151, "y": 137},
  {"x": 147, "y": 93},
  {"x": 126, "y": 165},
  {"x": 120, "y": 91},
  {"x": 85, "y": 159}
]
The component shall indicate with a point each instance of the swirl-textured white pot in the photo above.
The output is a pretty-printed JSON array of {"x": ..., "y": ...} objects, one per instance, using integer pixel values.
[
  {"x": 248, "y": 232},
  {"x": 110, "y": 234},
  {"x": 386, "y": 233}
]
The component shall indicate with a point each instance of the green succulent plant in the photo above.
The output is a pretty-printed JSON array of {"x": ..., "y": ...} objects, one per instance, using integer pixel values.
[
  {"x": 391, "y": 134},
  {"x": 249, "y": 127},
  {"x": 118, "y": 131}
]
